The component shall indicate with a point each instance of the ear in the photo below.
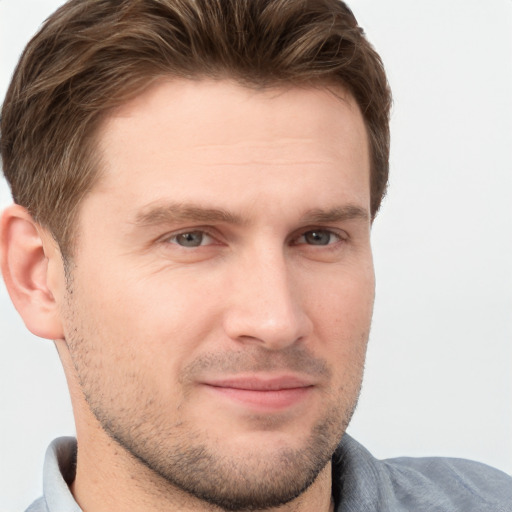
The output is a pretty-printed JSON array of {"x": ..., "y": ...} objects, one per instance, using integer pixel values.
[{"x": 27, "y": 252}]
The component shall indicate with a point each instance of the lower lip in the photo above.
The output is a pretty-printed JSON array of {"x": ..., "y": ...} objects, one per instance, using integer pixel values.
[{"x": 270, "y": 400}]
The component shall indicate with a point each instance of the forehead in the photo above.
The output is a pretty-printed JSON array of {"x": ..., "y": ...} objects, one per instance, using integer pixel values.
[
  {"x": 189, "y": 112},
  {"x": 219, "y": 137}
]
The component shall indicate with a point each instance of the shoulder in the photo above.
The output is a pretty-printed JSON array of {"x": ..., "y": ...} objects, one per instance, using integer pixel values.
[
  {"x": 420, "y": 484},
  {"x": 454, "y": 484}
]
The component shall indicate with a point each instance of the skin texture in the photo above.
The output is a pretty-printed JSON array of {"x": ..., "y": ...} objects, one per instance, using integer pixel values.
[{"x": 214, "y": 318}]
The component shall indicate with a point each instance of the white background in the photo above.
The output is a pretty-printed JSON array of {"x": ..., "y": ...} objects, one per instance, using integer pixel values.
[{"x": 438, "y": 378}]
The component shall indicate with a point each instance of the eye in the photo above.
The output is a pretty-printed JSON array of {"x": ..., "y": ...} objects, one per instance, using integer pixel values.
[
  {"x": 191, "y": 239},
  {"x": 318, "y": 237}
]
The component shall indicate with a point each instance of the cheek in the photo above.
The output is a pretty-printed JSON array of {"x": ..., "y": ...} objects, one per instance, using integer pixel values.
[
  {"x": 154, "y": 325},
  {"x": 342, "y": 318},
  {"x": 345, "y": 302}
]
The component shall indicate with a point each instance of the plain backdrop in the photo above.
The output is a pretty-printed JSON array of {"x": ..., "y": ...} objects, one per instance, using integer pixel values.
[{"x": 439, "y": 370}]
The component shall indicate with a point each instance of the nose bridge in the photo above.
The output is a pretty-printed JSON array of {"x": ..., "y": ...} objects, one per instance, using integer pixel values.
[{"x": 266, "y": 305}]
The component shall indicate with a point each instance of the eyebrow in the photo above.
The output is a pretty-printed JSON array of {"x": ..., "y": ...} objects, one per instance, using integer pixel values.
[
  {"x": 177, "y": 212},
  {"x": 338, "y": 214}
]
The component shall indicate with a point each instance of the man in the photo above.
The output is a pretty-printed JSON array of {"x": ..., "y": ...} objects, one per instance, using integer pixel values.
[{"x": 195, "y": 184}]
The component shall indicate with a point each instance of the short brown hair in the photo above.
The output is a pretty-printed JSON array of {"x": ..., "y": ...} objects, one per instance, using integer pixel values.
[{"x": 92, "y": 55}]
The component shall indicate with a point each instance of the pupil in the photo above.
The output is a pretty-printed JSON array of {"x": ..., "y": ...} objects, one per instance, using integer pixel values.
[
  {"x": 317, "y": 237},
  {"x": 192, "y": 239}
]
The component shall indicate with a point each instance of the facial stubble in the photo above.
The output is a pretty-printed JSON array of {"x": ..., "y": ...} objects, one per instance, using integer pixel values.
[{"x": 186, "y": 458}]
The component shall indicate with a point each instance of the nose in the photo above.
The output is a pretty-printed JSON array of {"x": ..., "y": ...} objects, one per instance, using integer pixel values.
[{"x": 266, "y": 306}]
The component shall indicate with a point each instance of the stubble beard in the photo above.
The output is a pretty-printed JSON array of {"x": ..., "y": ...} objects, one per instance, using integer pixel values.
[
  {"x": 187, "y": 459},
  {"x": 191, "y": 462},
  {"x": 249, "y": 481}
]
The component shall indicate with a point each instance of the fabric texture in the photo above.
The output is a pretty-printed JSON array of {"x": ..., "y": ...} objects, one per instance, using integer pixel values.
[{"x": 361, "y": 483}]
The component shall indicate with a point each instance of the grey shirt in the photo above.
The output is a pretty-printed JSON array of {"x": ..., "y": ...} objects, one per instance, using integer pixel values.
[{"x": 361, "y": 483}]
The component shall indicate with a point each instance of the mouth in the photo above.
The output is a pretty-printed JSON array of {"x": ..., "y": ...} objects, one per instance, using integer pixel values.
[{"x": 262, "y": 393}]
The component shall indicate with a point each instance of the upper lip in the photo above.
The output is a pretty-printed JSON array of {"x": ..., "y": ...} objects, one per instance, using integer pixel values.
[{"x": 261, "y": 383}]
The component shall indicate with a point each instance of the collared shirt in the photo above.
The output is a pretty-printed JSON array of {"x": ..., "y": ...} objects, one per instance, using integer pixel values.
[{"x": 361, "y": 483}]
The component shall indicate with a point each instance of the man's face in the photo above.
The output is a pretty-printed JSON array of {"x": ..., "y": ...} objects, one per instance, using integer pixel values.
[{"x": 220, "y": 297}]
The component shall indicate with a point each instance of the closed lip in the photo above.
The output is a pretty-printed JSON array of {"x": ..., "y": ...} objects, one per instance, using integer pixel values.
[
  {"x": 262, "y": 393},
  {"x": 261, "y": 383}
]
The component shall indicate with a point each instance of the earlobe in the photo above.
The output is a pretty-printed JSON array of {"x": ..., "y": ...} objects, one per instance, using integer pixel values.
[{"x": 25, "y": 255}]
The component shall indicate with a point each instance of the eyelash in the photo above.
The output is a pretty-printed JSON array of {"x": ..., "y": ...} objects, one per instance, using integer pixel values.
[
  {"x": 339, "y": 237},
  {"x": 190, "y": 232},
  {"x": 317, "y": 231}
]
